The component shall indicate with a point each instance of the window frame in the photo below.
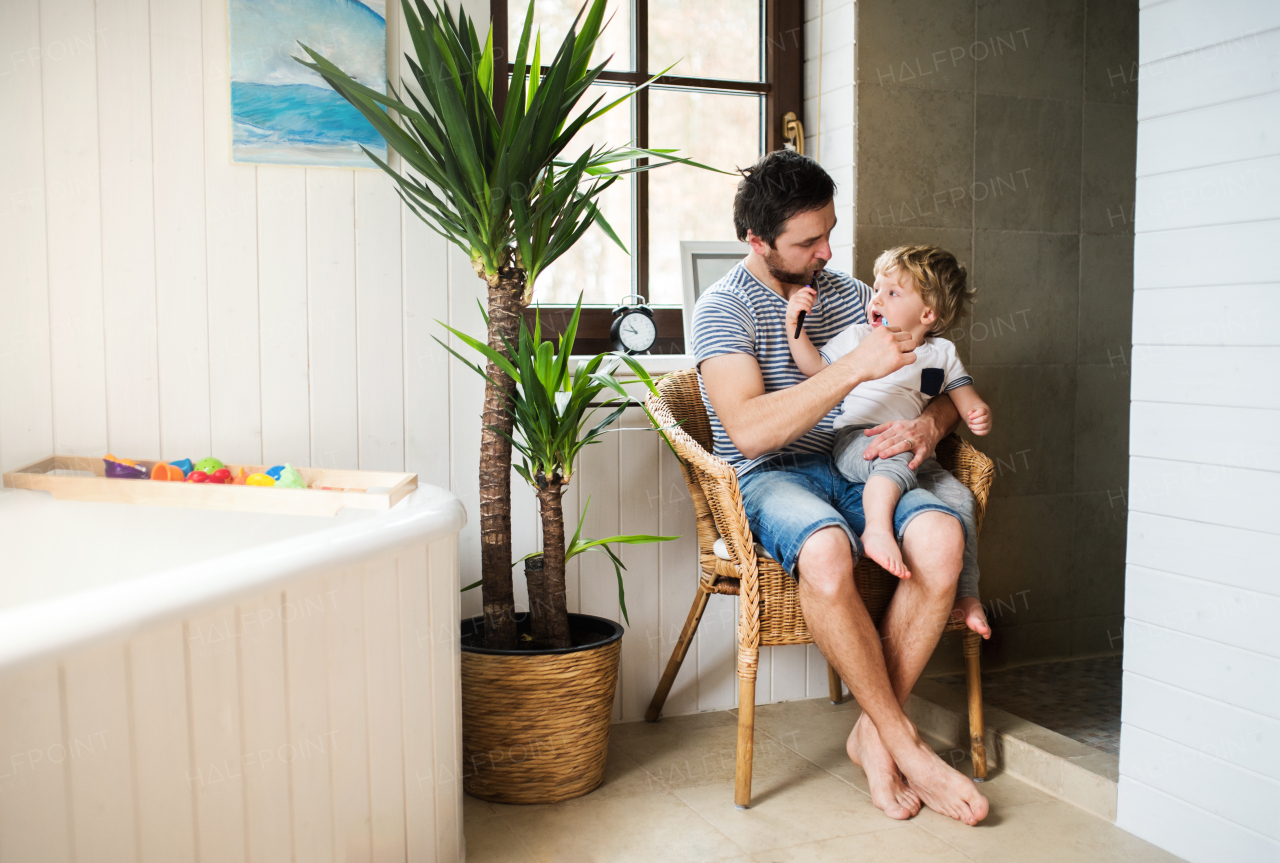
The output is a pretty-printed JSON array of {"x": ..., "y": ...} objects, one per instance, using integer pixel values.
[{"x": 783, "y": 91}]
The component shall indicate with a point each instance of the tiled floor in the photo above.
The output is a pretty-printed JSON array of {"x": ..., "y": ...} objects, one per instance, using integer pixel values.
[
  {"x": 1079, "y": 699},
  {"x": 668, "y": 796}
]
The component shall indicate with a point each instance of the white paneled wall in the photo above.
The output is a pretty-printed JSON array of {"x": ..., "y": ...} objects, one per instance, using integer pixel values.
[
  {"x": 319, "y": 721},
  {"x": 830, "y": 94},
  {"x": 1198, "y": 772},
  {"x": 157, "y": 300}
]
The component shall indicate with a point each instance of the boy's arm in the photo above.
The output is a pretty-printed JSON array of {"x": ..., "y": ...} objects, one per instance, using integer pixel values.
[
  {"x": 973, "y": 410},
  {"x": 758, "y": 422},
  {"x": 806, "y": 356}
]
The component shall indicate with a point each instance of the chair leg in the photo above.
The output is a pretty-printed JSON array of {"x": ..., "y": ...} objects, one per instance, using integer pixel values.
[
  {"x": 677, "y": 655},
  {"x": 746, "y": 731},
  {"x": 977, "y": 731},
  {"x": 834, "y": 684}
]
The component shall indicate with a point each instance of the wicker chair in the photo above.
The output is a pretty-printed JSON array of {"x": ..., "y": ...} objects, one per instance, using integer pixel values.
[{"x": 770, "y": 603}]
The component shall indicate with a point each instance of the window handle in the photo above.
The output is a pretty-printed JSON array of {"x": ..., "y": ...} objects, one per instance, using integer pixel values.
[{"x": 793, "y": 132}]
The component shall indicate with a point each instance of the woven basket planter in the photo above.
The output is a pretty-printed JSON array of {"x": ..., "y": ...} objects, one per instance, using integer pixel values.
[{"x": 535, "y": 724}]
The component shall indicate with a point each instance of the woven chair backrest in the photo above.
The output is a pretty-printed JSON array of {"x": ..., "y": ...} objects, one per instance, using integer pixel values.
[{"x": 683, "y": 397}]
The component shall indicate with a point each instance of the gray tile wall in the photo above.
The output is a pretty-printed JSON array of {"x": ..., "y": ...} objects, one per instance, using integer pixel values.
[{"x": 1005, "y": 130}]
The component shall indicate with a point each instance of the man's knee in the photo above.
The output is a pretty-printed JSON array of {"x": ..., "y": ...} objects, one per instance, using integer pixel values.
[
  {"x": 935, "y": 542},
  {"x": 825, "y": 565}
]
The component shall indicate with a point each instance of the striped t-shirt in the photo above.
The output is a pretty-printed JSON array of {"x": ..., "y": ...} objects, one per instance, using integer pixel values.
[{"x": 739, "y": 315}]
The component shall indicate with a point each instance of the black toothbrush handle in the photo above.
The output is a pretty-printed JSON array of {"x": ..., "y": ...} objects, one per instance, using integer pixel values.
[{"x": 800, "y": 317}]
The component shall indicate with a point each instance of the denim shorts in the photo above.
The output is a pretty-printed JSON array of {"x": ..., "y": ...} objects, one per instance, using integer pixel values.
[{"x": 794, "y": 494}]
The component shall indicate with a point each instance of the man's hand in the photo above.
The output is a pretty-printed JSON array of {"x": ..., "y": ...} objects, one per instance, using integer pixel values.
[
  {"x": 919, "y": 436},
  {"x": 881, "y": 353}
]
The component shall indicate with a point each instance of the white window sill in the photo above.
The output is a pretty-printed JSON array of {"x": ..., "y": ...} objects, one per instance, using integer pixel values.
[{"x": 654, "y": 364}]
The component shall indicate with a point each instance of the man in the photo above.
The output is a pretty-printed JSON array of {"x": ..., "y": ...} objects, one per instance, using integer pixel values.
[{"x": 775, "y": 427}]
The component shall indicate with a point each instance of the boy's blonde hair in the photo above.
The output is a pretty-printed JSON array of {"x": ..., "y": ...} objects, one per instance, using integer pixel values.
[{"x": 938, "y": 276}]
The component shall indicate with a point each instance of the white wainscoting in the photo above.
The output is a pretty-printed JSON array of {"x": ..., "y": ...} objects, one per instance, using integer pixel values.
[
  {"x": 1201, "y": 717},
  {"x": 158, "y": 301},
  {"x": 316, "y": 722}
]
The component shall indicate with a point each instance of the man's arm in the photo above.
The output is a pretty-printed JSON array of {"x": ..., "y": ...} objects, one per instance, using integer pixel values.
[
  {"x": 758, "y": 422},
  {"x": 920, "y": 435}
]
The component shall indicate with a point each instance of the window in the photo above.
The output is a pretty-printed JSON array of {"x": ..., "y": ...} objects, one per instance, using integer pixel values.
[{"x": 739, "y": 68}]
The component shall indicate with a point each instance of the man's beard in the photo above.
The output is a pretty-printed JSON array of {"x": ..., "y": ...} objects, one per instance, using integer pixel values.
[{"x": 773, "y": 261}]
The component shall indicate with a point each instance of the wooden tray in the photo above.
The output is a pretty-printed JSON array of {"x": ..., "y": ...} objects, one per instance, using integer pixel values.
[{"x": 363, "y": 489}]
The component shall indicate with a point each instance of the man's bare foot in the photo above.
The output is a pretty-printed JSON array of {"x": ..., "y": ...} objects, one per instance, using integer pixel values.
[
  {"x": 882, "y": 547},
  {"x": 969, "y": 610},
  {"x": 888, "y": 790},
  {"x": 942, "y": 788}
]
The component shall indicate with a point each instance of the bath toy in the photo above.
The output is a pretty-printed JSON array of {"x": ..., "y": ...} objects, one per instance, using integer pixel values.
[
  {"x": 122, "y": 468},
  {"x": 208, "y": 465},
  {"x": 167, "y": 472},
  {"x": 222, "y": 476},
  {"x": 182, "y": 464},
  {"x": 197, "y": 476},
  {"x": 261, "y": 479},
  {"x": 290, "y": 478},
  {"x": 240, "y": 479},
  {"x": 274, "y": 472}
]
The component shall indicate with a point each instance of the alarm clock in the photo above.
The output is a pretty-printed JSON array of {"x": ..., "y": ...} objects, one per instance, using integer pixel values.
[{"x": 633, "y": 329}]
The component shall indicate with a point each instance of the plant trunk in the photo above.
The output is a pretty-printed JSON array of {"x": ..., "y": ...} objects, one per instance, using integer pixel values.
[
  {"x": 534, "y": 576},
  {"x": 505, "y": 306},
  {"x": 552, "y": 602}
]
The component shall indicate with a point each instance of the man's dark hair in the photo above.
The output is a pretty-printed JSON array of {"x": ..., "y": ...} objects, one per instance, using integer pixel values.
[{"x": 776, "y": 188}]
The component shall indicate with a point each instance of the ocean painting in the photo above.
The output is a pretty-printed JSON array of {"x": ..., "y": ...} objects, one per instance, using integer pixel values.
[{"x": 282, "y": 113}]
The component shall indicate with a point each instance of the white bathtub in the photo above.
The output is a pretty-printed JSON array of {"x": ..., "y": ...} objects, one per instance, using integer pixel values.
[{"x": 181, "y": 685}]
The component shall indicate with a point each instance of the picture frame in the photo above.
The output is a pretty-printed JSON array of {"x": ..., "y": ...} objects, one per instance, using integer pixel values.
[{"x": 702, "y": 264}]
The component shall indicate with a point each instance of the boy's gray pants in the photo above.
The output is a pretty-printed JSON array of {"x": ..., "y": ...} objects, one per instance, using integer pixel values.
[{"x": 851, "y": 443}]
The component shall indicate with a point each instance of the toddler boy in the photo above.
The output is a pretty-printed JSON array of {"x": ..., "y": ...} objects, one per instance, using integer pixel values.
[{"x": 920, "y": 290}]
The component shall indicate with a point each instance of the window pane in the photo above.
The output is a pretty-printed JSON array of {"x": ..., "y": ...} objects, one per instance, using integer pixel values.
[
  {"x": 710, "y": 38},
  {"x": 554, "y": 18},
  {"x": 687, "y": 203},
  {"x": 595, "y": 266}
]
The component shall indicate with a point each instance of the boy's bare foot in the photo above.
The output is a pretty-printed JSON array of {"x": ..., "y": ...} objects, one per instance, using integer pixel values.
[
  {"x": 942, "y": 788},
  {"x": 969, "y": 610},
  {"x": 882, "y": 547},
  {"x": 889, "y": 792}
]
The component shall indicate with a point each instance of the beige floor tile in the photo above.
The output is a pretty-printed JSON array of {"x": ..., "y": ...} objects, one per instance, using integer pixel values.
[
  {"x": 818, "y": 736},
  {"x": 668, "y": 795},
  {"x": 644, "y": 828},
  {"x": 708, "y": 757},
  {"x": 806, "y": 706},
  {"x": 1004, "y": 791},
  {"x": 672, "y": 725},
  {"x": 490, "y": 840},
  {"x": 886, "y": 846},
  {"x": 1053, "y": 832},
  {"x": 819, "y": 806},
  {"x": 474, "y": 809}
]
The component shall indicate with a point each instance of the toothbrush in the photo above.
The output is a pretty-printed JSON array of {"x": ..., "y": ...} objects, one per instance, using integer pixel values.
[{"x": 800, "y": 317}]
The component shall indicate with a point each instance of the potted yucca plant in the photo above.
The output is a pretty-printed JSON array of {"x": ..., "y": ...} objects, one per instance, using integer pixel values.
[
  {"x": 535, "y": 727},
  {"x": 492, "y": 179},
  {"x": 490, "y": 175}
]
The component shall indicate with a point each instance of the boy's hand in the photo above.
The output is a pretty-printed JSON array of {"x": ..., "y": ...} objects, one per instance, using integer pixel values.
[
  {"x": 801, "y": 301},
  {"x": 979, "y": 420}
]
